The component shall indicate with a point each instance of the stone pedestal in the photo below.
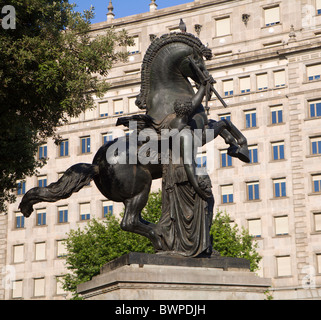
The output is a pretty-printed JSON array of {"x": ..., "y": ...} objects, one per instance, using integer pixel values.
[{"x": 139, "y": 276}]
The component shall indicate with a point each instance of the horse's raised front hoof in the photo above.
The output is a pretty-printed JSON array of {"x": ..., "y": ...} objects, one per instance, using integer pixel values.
[{"x": 241, "y": 153}]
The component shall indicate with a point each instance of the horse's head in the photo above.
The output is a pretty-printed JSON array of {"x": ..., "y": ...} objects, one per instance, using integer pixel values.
[
  {"x": 169, "y": 61},
  {"x": 193, "y": 66}
]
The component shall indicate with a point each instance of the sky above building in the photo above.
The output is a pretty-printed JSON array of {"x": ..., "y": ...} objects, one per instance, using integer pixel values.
[{"x": 122, "y": 8}]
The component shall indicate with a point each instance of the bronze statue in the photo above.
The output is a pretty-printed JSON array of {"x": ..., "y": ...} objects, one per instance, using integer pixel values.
[{"x": 171, "y": 104}]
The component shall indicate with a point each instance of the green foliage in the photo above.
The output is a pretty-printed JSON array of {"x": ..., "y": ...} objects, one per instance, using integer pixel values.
[
  {"x": 102, "y": 241},
  {"x": 230, "y": 241},
  {"x": 98, "y": 243},
  {"x": 50, "y": 67}
]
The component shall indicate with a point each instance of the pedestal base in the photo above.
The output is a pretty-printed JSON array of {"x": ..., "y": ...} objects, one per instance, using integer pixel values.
[{"x": 138, "y": 276}]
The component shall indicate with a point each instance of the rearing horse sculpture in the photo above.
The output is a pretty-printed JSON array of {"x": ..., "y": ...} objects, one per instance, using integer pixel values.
[{"x": 168, "y": 64}]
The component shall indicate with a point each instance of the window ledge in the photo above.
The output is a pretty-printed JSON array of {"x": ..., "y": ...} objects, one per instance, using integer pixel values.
[
  {"x": 281, "y": 236},
  {"x": 222, "y": 168},
  {"x": 252, "y": 128},
  {"x": 311, "y": 81},
  {"x": 314, "y": 194},
  {"x": 277, "y": 161},
  {"x": 283, "y": 277},
  {"x": 316, "y": 233},
  {"x": 271, "y": 26},
  {"x": 280, "y": 198},
  {"x": 313, "y": 155},
  {"x": 251, "y": 164},
  {"x": 314, "y": 118},
  {"x": 253, "y": 201},
  {"x": 276, "y": 124}
]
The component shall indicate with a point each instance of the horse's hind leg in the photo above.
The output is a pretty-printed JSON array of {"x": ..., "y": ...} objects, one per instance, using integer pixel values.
[{"x": 132, "y": 221}]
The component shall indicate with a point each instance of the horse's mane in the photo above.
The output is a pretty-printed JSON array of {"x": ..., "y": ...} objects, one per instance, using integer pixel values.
[{"x": 154, "y": 48}]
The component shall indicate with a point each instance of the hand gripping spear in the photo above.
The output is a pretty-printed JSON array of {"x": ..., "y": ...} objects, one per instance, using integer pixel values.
[{"x": 209, "y": 86}]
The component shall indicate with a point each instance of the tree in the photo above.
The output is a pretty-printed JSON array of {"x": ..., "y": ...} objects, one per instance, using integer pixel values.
[
  {"x": 230, "y": 241},
  {"x": 50, "y": 68},
  {"x": 100, "y": 242}
]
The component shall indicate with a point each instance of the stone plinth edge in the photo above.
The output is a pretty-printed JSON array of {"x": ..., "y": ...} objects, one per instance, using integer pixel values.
[{"x": 217, "y": 262}]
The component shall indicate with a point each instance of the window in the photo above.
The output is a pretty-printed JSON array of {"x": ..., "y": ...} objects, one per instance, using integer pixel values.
[
  {"x": 107, "y": 137},
  {"x": 134, "y": 48},
  {"x": 318, "y": 6},
  {"x": 272, "y": 16},
  {"x": 253, "y": 191},
  {"x": 18, "y": 253},
  {"x": 85, "y": 144},
  {"x": 107, "y": 209},
  {"x": 278, "y": 150},
  {"x": 253, "y": 152},
  {"x": 316, "y": 180},
  {"x": 276, "y": 114},
  {"x": 103, "y": 109},
  {"x": 21, "y": 188},
  {"x": 64, "y": 148},
  {"x": 41, "y": 217},
  {"x": 227, "y": 194},
  {"x": 59, "y": 285},
  {"x": 223, "y": 26},
  {"x": 40, "y": 252},
  {"x": 89, "y": 114},
  {"x": 250, "y": 119},
  {"x": 20, "y": 220},
  {"x": 201, "y": 160},
  {"x": 255, "y": 229},
  {"x": 279, "y": 186},
  {"x": 17, "y": 289},
  {"x": 61, "y": 249},
  {"x": 283, "y": 266},
  {"x": 281, "y": 226},
  {"x": 226, "y": 116},
  {"x": 62, "y": 214},
  {"x": 315, "y": 109},
  {"x": 317, "y": 221},
  {"x": 279, "y": 78},
  {"x": 42, "y": 181},
  {"x": 39, "y": 287},
  {"x": 42, "y": 152},
  {"x": 315, "y": 146},
  {"x": 226, "y": 160},
  {"x": 132, "y": 106},
  {"x": 84, "y": 210},
  {"x": 314, "y": 72},
  {"x": 118, "y": 106},
  {"x": 245, "y": 85},
  {"x": 228, "y": 88},
  {"x": 262, "y": 81},
  {"x": 318, "y": 256}
]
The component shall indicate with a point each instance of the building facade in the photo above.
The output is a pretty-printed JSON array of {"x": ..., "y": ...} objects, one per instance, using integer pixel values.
[{"x": 267, "y": 64}]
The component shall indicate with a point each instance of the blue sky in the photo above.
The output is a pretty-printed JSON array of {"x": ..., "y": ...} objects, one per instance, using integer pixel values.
[{"x": 122, "y": 8}]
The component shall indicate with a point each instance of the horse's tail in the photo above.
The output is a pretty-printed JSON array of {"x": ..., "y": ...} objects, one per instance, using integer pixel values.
[{"x": 72, "y": 181}]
